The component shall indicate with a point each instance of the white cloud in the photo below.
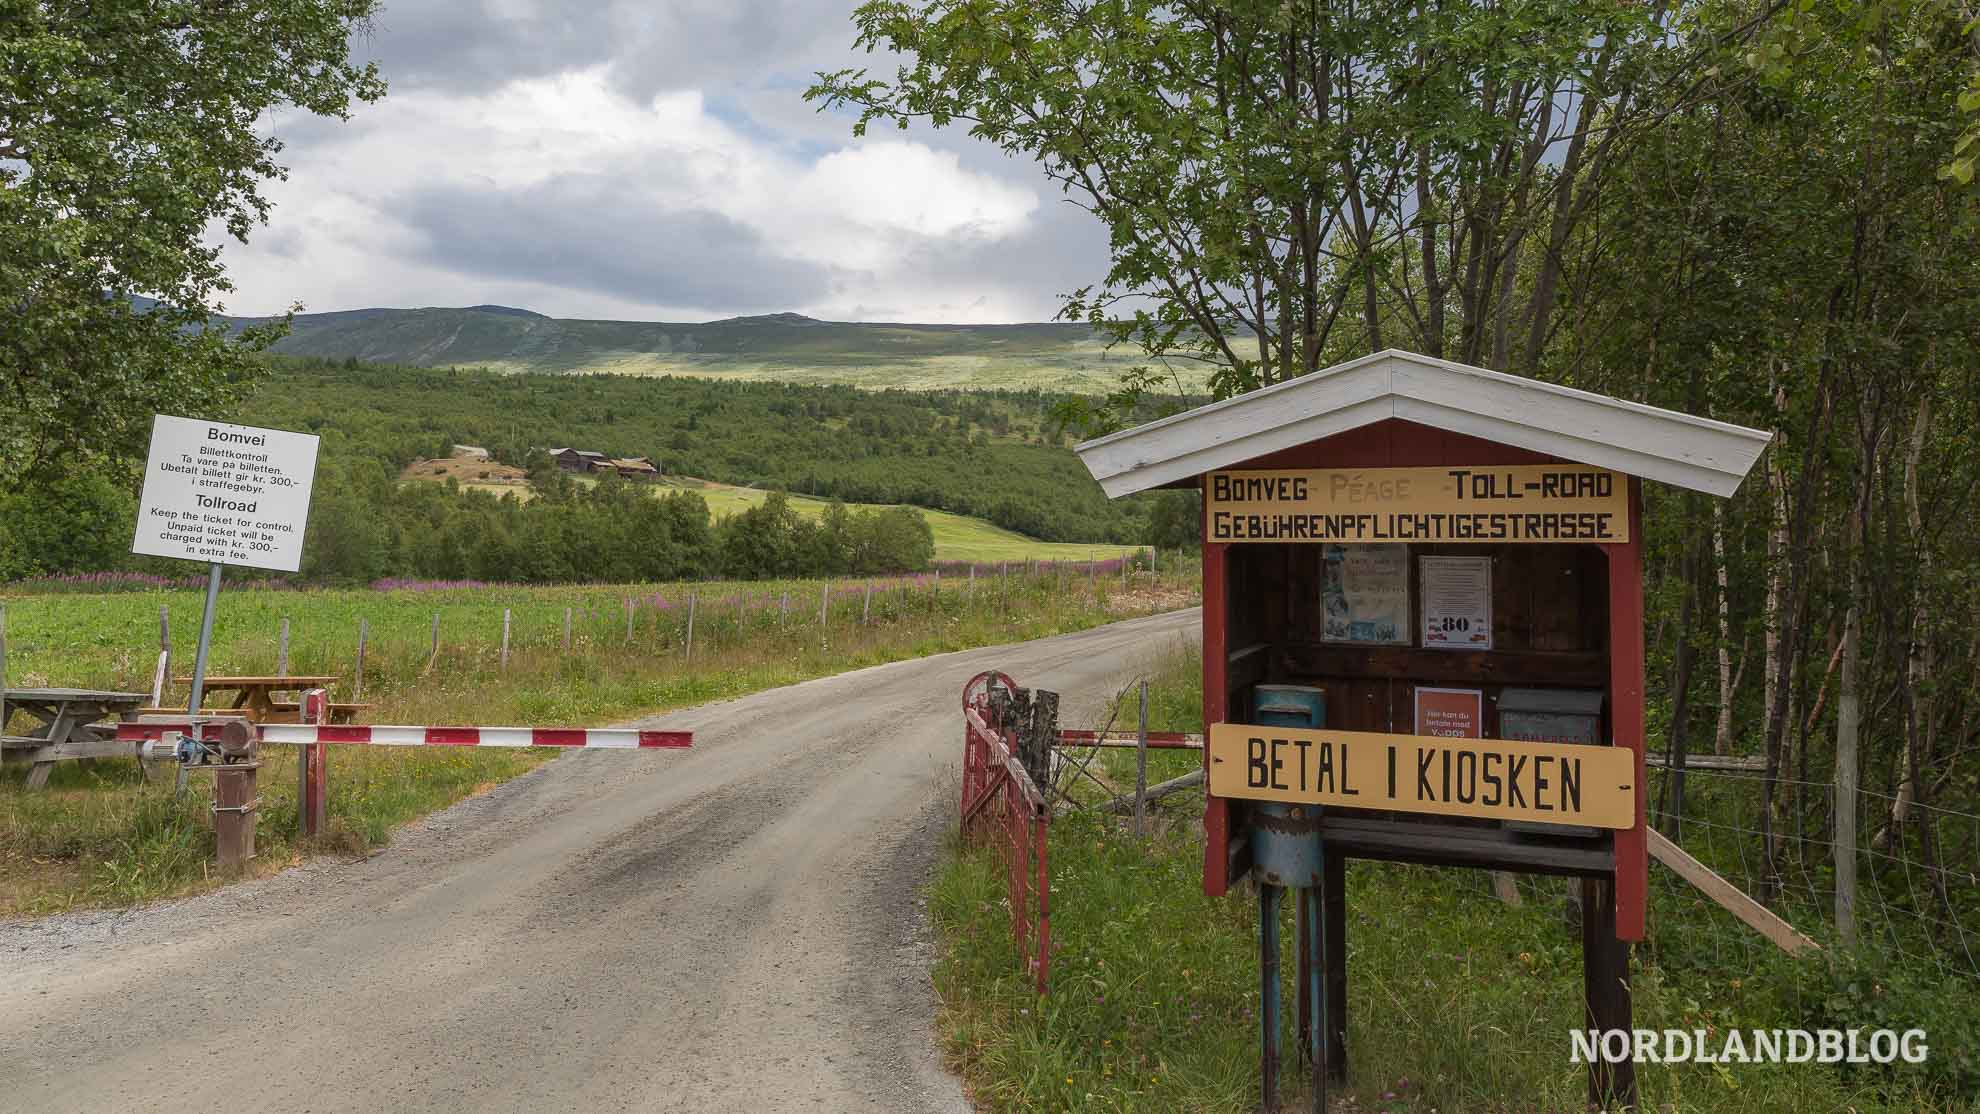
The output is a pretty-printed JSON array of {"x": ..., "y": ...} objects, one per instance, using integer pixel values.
[{"x": 359, "y": 222}]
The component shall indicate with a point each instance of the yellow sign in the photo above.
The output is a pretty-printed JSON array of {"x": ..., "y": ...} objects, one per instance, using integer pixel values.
[
  {"x": 1508, "y": 503},
  {"x": 1498, "y": 779}
]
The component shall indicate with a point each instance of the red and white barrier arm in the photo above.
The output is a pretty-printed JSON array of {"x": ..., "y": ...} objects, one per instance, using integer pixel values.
[
  {"x": 386, "y": 736},
  {"x": 304, "y": 734},
  {"x": 1157, "y": 740}
]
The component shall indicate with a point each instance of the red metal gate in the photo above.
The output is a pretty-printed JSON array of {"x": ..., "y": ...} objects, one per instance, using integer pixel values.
[{"x": 1001, "y": 804}]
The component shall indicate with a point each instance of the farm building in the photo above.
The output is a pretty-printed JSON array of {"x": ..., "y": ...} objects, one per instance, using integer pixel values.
[
  {"x": 637, "y": 468},
  {"x": 581, "y": 460}
]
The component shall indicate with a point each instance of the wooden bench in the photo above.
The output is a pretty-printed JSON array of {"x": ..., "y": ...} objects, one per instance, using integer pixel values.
[
  {"x": 340, "y": 712},
  {"x": 278, "y": 712}
]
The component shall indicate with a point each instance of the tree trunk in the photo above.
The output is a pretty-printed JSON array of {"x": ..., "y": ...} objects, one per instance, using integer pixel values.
[
  {"x": 1722, "y": 734},
  {"x": 1849, "y": 705},
  {"x": 1919, "y": 720},
  {"x": 1681, "y": 681}
]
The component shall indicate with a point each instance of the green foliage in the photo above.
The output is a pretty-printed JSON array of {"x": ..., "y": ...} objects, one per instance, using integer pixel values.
[
  {"x": 72, "y": 522},
  {"x": 1274, "y": 174},
  {"x": 127, "y": 129},
  {"x": 985, "y": 454}
]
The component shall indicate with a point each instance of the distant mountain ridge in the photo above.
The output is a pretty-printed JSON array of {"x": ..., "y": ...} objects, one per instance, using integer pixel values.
[{"x": 782, "y": 346}]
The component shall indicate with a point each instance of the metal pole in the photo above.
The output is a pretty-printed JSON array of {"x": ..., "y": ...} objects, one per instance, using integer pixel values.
[
  {"x": 1268, "y": 994},
  {"x": 1312, "y": 953},
  {"x": 205, "y": 638}
]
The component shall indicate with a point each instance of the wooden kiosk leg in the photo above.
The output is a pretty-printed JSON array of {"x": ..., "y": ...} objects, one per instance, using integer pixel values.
[
  {"x": 1333, "y": 916},
  {"x": 1605, "y": 978}
]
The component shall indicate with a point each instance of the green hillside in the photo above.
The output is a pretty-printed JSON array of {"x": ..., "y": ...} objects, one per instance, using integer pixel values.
[
  {"x": 957, "y": 537},
  {"x": 991, "y": 455},
  {"x": 783, "y": 347}
]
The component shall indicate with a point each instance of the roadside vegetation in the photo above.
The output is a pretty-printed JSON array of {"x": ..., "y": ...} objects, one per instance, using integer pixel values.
[
  {"x": 98, "y": 835},
  {"x": 1457, "y": 1002}
]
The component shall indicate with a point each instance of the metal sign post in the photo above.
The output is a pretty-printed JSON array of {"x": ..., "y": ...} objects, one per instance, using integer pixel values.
[
  {"x": 226, "y": 495},
  {"x": 205, "y": 638}
]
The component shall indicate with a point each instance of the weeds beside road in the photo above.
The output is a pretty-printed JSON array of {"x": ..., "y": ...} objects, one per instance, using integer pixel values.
[
  {"x": 1456, "y": 1002},
  {"x": 99, "y": 836}
]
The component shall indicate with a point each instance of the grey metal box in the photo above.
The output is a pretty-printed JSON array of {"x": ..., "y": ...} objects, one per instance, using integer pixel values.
[{"x": 1551, "y": 716}]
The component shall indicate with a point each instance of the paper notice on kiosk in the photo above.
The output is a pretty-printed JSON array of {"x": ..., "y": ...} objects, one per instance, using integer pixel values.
[
  {"x": 1500, "y": 779},
  {"x": 226, "y": 494}
]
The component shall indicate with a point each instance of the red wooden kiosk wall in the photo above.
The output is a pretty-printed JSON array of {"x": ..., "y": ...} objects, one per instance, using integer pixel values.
[{"x": 1239, "y": 589}]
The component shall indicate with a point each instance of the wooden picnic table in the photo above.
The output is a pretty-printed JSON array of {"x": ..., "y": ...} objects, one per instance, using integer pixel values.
[
  {"x": 255, "y": 697},
  {"x": 69, "y": 724}
]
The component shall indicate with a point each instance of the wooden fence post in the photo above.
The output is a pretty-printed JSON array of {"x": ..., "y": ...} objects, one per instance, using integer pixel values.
[
  {"x": 693, "y": 598},
  {"x": 282, "y": 650},
  {"x": 972, "y": 580},
  {"x": 313, "y": 768},
  {"x": 364, "y": 629},
  {"x": 164, "y": 656},
  {"x": 505, "y": 638},
  {"x": 567, "y": 630},
  {"x": 629, "y": 618},
  {"x": 1141, "y": 767},
  {"x": 866, "y": 609},
  {"x": 433, "y": 653},
  {"x": 3, "y": 669},
  {"x": 824, "y": 600},
  {"x": 784, "y": 610}
]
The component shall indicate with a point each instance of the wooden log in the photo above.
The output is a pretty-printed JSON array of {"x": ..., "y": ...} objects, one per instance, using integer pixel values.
[
  {"x": 1125, "y": 802},
  {"x": 1757, "y": 916},
  {"x": 234, "y": 805}
]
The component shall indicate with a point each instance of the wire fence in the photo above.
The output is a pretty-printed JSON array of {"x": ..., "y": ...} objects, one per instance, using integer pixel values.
[{"x": 1917, "y": 891}]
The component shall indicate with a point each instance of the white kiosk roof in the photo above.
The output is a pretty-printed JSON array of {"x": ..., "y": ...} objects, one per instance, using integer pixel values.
[{"x": 1689, "y": 452}]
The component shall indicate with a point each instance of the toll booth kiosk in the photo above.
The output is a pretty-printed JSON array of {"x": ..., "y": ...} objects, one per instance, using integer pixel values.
[{"x": 1449, "y": 559}]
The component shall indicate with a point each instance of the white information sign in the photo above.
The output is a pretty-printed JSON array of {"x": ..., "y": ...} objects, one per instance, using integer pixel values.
[
  {"x": 1364, "y": 594},
  {"x": 1457, "y": 603},
  {"x": 231, "y": 494}
]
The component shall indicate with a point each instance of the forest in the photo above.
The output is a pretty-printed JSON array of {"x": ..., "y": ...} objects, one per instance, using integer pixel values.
[
  {"x": 996, "y": 455},
  {"x": 1762, "y": 213}
]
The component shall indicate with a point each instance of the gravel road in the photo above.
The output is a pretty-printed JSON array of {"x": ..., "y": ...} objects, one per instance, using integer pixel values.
[{"x": 737, "y": 927}]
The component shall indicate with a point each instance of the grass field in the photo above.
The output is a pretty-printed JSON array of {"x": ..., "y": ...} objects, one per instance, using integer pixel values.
[
  {"x": 1458, "y": 1003},
  {"x": 957, "y": 537},
  {"x": 99, "y": 836}
]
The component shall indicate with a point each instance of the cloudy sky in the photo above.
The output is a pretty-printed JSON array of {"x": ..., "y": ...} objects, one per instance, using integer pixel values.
[{"x": 647, "y": 159}]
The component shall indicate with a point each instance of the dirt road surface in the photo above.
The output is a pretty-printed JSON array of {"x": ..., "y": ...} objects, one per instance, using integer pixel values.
[{"x": 733, "y": 928}]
